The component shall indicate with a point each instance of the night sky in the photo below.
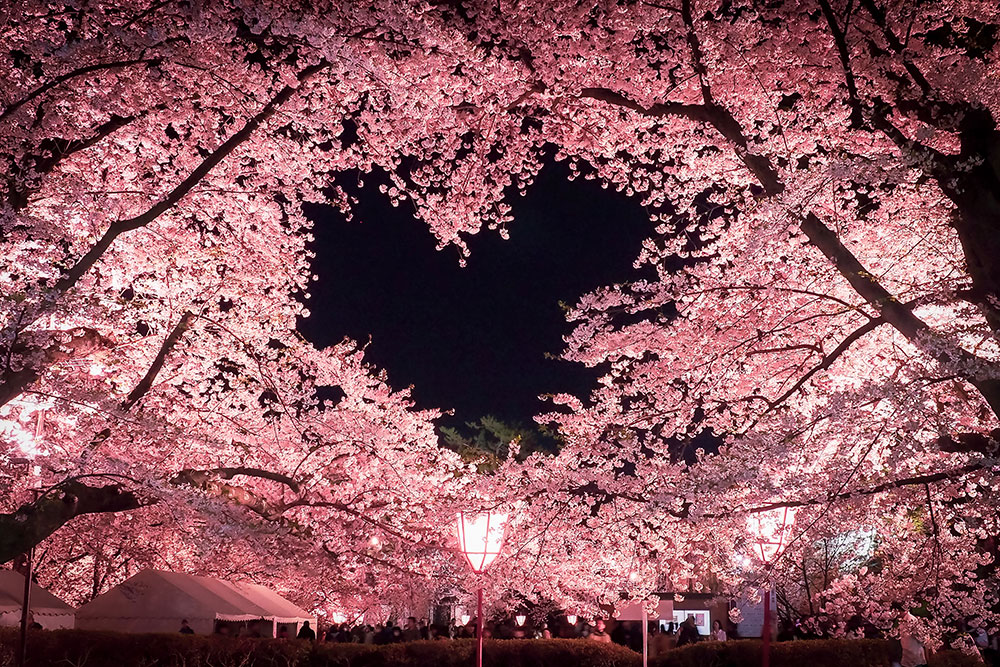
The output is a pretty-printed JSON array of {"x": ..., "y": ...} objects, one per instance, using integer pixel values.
[{"x": 472, "y": 339}]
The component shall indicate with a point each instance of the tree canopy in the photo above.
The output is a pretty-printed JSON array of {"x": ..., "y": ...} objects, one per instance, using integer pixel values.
[{"x": 823, "y": 185}]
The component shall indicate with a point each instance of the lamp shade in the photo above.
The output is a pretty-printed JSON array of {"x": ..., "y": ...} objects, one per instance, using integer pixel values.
[
  {"x": 770, "y": 531},
  {"x": 465, "y": 619},
  {"x": 520, "y": 618},
  {"x": 571, "y": 619},
  {"x": 480, "y": 537}
]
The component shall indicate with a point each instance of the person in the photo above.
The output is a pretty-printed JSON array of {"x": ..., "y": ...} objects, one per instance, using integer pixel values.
[
  {"x": 411, "y": 633},
  {"x": 913, "y": 653},
  {"x": 283, "y": 632},
  {"x": 787, "y": 631},
  {"x": 598, "y": 634},
  {"x": 718, "y": 632},
  {"x": 688, "y": 633},
  {"x": 185, "y": 628},
  {"x": 305, "y": 632},
  {"x": 32, "y": 623},
  {"x": 384, "y": 634}
]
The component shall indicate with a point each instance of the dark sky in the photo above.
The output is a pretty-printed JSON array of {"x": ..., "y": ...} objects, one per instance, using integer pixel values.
[{"x": 472, "y": 339}]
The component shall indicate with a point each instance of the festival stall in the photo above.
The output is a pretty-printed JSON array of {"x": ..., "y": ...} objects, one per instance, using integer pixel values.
[
  {"x": 48, "y": 611},
  {"x": 154, "y": 601}
]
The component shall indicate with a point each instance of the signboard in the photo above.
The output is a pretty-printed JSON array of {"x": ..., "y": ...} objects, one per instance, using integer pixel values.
[{"x": 752, "y": 624}]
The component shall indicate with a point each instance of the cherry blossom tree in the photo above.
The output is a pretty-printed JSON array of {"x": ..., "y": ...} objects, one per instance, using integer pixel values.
[
  {"x": 155, "y": 261},
  {"x": 819, "y": 289}
]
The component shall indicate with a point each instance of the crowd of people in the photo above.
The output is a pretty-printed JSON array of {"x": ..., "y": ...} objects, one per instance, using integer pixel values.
[
  {"x": 662, "y": 636},
  {"x": 624, "y": 633}
]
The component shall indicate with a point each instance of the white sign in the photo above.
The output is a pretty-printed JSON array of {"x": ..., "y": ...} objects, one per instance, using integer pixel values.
[{"x": 752, "y": 624}]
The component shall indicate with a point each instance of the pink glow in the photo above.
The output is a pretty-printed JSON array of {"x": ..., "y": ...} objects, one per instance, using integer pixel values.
[
  {"x": 480, "y": 537},
  {"x": 771, "y": 530}
]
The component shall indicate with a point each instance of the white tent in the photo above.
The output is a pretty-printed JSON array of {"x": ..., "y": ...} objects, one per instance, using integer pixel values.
[
  {"x": 49, "y": 611},
  {"x": 154, "y": 601}
]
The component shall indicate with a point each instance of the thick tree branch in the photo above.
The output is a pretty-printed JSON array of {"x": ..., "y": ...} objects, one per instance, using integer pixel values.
[
  {"x": 13, "y": 386},
  {"x": 878, "y": 15},
  {"x": 893, "y": 311},
  {"x": 146, "y": 383},
  {"x": 201, "y": 477},
  {"x": 80, "y": 71},
  {"x": 916, "y": 480},
  {"x": 184, "y": 187},
  {"x": 697, "y": 57},
  {"x": 711, "y": 114},
  {"x": 827, "y": 361},
  {"x": 840, "y": 39},
  {"x": 33, "y": 522}
]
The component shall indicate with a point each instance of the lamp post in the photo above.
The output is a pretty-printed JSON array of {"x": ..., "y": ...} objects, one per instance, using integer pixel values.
[
  {"x": 770, "y": 530},
  {"x": 480, "y": 537}
]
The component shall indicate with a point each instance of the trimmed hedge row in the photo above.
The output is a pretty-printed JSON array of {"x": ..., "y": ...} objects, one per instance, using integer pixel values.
[
  {"x": 805, "y": 653},
  {"x": 79, "y": 648}
]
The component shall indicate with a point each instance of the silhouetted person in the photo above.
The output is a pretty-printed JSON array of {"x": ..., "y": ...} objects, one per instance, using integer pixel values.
[
  {"x": 787, "y": 632},
  {"x": 412, "y": 632},
  {"x": 688, "y": 633},
  {"x": 305, "y": 632},
  {"x": 598, "y": 634},
  {"x": 185, "y": 628}
]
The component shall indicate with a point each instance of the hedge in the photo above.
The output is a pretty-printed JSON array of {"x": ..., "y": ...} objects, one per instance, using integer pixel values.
[
  {"x": 802, "y": 653},
  {"x": 80, "y": 648}
]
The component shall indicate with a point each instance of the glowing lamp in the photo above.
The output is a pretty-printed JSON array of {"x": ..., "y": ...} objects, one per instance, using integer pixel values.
[
  {"x": 770, "y": 530},
  {"x": 520, "y": 618},
  {"x": 480, "y": 537},
  {"x": 338, "y": 617},
  {"x": 465, "y": 618},
  {"x": 571, "y": 619}
]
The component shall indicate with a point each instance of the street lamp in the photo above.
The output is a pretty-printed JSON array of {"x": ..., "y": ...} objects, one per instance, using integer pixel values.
[
  {"x": 770, "y": 530},
  {"x": 520, "y": 619},
  {"x": 480, "y": 537}
]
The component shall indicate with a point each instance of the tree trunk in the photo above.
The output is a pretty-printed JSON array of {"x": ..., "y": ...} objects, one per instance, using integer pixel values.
[{"x": 33, "y": 522}]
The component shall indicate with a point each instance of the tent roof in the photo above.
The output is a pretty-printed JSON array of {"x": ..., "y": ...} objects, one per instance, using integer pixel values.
[
  {"x": 42, "y": 602},
  {"x": 280, "y": 608},
  {"x": 155, "y": 594}
]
